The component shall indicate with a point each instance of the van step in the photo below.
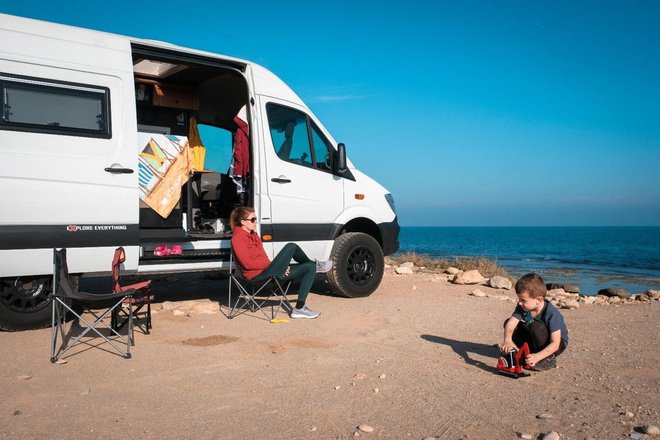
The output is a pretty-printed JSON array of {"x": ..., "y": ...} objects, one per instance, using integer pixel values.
[
  {"x": 206, "y": 254},
  {"x": 177, "y": 236},
  {"x": 206, "y": 236},
  {"x": 173, "y": 262},
  {"x": 163, "y": 235}
]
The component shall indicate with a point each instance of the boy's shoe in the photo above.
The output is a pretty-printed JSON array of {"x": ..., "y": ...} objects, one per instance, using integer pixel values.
[
  {"x": 546, "y": 364},
  {"x": 304, "y": 313},
  {"x": 323, "y": 266}
]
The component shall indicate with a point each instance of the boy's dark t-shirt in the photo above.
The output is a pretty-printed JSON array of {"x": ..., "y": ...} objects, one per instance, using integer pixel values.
[{"x": 549, "y": 316}]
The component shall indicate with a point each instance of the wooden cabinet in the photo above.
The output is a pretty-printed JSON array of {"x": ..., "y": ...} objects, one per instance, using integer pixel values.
[{"x": 176, "y": 97}]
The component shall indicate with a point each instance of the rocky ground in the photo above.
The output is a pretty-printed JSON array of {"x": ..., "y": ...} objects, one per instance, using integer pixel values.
[{"x": 414, "y": 360}]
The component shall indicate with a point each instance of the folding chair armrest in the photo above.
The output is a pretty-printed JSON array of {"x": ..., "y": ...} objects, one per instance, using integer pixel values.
[{"x": 90, "y": 297}]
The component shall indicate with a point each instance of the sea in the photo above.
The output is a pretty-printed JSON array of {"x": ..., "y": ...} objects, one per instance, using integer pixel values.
[{"x": 591, "y": 258}]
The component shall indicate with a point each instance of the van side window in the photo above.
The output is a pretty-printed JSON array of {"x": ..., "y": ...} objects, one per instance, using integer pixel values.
[
  {"x": 43, "y": 106},
  {"x": 288, "y": 130},
  {"x": 297, "y": 139},
  {"x": 322, "y": 150}
]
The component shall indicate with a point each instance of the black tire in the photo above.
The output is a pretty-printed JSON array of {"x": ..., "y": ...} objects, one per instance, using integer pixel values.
[
  {"x": 358, "y": 265},
  {"x": 25, "y": 303}
]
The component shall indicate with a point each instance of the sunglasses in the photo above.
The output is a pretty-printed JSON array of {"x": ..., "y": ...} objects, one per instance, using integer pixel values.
[{"x": 251, "y": 220}]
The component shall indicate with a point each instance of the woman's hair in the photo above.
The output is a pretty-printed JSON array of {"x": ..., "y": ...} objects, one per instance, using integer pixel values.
[
  {"x": 239, "y": 214},
  {"x": 532, "y": 284}
]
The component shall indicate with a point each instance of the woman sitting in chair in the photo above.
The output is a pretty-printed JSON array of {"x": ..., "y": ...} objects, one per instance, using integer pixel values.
[{"x": 256, "y": 266}]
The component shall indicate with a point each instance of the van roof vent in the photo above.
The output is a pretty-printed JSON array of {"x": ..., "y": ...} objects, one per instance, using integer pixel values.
[{"x": 156, "y": 69}]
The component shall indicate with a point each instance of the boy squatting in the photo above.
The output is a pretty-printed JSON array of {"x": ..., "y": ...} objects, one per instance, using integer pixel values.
[{"x": 537, "y": 322}]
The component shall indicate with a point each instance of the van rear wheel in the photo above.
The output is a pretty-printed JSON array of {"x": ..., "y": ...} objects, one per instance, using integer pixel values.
[
  {"x": 358, "y": 265},
  {"x": 25, "y": 303}
]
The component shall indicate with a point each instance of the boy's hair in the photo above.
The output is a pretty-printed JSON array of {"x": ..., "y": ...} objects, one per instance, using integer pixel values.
[
  {"x": 238, "y": 214},
  {"x": 532, "y": 284}
]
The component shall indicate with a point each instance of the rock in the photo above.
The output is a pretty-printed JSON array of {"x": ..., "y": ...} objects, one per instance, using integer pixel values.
[
  {"x": 376, "y": 391},
  {"x": 365, "y": 428},
  {"x": 169, "y": 306},
  {"x": 566, "y": 287},
  {"x": 552, "y": 435},
  {"x": 614, "y": 292},
  {"x": 643, "y": 297},
  {"x": 314, "y": 429},
  {"x": 556, "y": 293},
  {"x": 651, "y": 429},
  {"x": 615, "y": 300},
  {"x": 568, "y": 304},
  {"x": 403, "y": 270},
  {"x": 206, "y": 307},
  {"x": 452, "y": 271},
  {"x": 477, "y": 292},
  {"x": 525, "y": 436},
  {"x": 588, "y": 299},
  {"x": 382, "y": 376},
  {"x": 179, "y": 313},
  {"x": 499, "y": 282},
  {"x": 601, "y": 299},
  {"x": 337, "y": 387},
  {"x": 629, "y": 414},
  {"x": 24, "y": 377},
  {"x": 61, "y": 361},
  {"x": 653, "y": 293},
  {"x": 409, "y": 264},
  {"x": 428, "y": 438},
  {"x": 469, "y": 277},
  {"x": 544, "y": 416}
]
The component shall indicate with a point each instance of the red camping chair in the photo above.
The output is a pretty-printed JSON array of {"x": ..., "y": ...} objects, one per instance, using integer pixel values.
[{"x": 134, "y": 304}]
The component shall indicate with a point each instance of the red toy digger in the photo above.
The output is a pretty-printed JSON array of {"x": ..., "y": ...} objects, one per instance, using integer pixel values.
[{"x": 512, "y": 364}]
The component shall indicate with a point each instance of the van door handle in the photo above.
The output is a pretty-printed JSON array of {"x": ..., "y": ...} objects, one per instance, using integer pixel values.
[
  {"x": 281, "y": 179},
  {"x": 119, "y": 170}
]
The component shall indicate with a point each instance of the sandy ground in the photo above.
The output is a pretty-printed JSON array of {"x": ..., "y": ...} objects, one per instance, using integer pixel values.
[{"x": 414, "y": 360}]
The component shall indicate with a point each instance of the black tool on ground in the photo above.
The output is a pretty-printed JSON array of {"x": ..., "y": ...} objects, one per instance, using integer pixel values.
[{"x": 511, "y": 364}]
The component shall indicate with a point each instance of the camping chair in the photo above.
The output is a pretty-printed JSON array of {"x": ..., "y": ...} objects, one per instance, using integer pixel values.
[
  {"x": 64, "y": 294},
  {"x": 135, "y": 303},
  {"x": 273, "y": 289}
]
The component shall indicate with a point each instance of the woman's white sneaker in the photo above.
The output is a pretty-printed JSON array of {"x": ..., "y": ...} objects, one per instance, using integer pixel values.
[{"x": 304, "y": 313}]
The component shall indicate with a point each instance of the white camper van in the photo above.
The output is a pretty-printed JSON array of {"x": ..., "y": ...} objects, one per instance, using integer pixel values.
[{"x": 92, "y": 126}]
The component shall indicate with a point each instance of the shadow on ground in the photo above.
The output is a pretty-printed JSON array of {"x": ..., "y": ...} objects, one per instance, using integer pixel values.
[
  {"x": 189, "y": 286},
  {"x": 464, "y": 349}
]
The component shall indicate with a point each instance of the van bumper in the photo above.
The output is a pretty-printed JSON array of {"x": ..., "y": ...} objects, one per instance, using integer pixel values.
[{"x": 390, "y": 236}]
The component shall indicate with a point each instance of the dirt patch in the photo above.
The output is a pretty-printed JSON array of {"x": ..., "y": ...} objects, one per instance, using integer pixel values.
[{"x": 210, "y": 340}]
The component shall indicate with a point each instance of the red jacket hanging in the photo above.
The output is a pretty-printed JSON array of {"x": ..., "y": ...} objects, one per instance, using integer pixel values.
[{"x": 241, "y": 149}]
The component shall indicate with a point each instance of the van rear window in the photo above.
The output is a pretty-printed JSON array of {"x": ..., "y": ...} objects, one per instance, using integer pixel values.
[{"x": 38, "y": 105}]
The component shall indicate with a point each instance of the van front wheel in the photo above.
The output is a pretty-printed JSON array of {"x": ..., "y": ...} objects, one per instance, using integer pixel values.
[{"x": 358, "y": 265}]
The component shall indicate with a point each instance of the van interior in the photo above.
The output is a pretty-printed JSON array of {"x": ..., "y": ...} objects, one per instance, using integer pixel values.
[{"x": 173, "y": 91}]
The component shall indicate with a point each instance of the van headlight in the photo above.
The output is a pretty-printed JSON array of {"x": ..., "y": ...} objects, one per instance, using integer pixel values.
[{"x": 390, "y": 201}]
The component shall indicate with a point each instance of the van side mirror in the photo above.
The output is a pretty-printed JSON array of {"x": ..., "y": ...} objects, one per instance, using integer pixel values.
[{"x": 341, "y": 158}]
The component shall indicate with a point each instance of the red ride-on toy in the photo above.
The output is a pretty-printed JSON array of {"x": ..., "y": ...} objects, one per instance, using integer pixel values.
[{"x": 512, "y": 364}]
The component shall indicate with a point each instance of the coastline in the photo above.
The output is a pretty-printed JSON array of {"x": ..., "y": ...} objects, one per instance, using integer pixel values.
[{"x": 593, "y": 258}]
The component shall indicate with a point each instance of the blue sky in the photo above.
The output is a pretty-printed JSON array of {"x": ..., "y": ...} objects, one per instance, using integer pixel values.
[{"x": 470, "y": 113}]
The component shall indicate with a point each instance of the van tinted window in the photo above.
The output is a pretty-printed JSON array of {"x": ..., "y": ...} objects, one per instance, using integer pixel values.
[
  {"x": 30, "y": 104},
  {"x": 297, "y": 139}
]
